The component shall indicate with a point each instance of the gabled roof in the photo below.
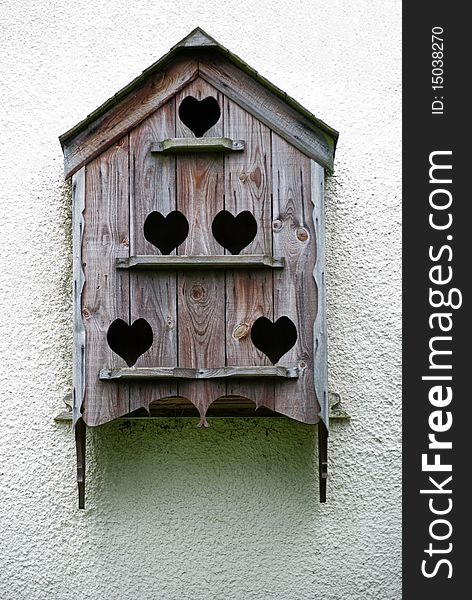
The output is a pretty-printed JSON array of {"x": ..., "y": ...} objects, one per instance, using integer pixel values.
[{"x": 197, "y": 55}]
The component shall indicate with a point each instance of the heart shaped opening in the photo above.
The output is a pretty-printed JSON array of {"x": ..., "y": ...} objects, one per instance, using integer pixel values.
[
  {"x": 234, "y": 233},
  {"x": 166, "y": 233},
  {"x": 274, "y": 339},
  {"x": 130, "y": 341},
  {"x": 199, "y": 115}
]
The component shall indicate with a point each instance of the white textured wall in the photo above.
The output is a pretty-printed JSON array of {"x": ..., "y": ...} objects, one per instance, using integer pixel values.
[{"x": 174, "y": 513}]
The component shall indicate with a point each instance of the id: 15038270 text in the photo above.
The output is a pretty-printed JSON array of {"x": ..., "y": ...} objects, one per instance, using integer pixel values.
[{"x": 437, "y": 70}]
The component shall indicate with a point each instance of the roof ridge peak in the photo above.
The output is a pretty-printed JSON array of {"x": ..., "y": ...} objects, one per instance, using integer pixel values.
[{"x": 198, "y": 37}]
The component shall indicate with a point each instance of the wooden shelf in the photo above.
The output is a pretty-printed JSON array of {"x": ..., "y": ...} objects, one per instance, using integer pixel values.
[
  {"x": 223, "y": 261},
  {"x": 203, "y": 144},
  {"x": 152, "y": 373}
]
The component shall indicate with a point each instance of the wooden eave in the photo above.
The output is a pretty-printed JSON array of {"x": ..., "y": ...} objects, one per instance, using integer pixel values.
[{"x": 197, "y": 55}]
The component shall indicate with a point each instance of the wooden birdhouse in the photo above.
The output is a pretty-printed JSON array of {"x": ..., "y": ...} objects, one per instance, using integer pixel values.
[{"x": 199, "y": 248}]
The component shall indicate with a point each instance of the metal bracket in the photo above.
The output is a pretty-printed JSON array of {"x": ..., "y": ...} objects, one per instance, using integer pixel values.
[
  {"x": 80, "y": 435},
  {"x": 322, "y": 459},
  {"x": 336, "y": 409}
]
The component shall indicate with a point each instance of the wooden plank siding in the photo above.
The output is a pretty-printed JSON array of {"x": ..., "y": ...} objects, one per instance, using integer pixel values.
[
  {"x": 201, "y": 318},
  {"x": 105, "y": 295},
  {"x": 201, "y": 294},
  {"x": 153, "y": 294},
  {"x": 295, "y": 293},
  {"x": 249, "y": 295}
]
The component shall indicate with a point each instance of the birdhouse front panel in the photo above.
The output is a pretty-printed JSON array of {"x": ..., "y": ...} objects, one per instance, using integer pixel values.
[
  {"x": 199, "y": 329},
  {"x": 198, "y": 234}
]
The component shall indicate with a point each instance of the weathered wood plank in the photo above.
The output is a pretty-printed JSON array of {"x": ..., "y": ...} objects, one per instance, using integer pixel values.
[
  {"x": 78, "y": 351},
  {"x": 320, "y": 334},
  {"x": 282, "y": 118},
  {"x": 210, "y": 144},
  {"x": 295, "y": 293},
  {"x": 106, "y": 292},
  {"x": 201, "y": 295},
  {"x": 248, "y": 295},
  {"x": 201, "y": 373},
  {"x": 153, "y": 295},
  {"x": 224, "y": 261},
  {"x": 111, "y": 126}
]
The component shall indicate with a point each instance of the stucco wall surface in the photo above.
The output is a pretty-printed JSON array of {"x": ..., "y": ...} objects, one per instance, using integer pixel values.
[{"x": 174, "y": 512}]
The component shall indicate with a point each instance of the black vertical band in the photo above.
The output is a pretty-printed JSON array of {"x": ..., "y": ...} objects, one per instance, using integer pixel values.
[{"x": 436, "y": 306}]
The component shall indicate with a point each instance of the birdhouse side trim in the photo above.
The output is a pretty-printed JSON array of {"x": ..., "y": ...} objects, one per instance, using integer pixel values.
[
  {"x": 320, "y": 350},
  {"x": 79, "y": 346}
]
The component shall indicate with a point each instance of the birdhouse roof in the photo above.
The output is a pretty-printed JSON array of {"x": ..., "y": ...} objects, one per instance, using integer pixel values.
[{"x": 197, "y": 55}]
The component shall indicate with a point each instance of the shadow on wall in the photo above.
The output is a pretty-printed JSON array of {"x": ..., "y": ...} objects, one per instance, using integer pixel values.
[
  {"x": 238, "y": 467},
  {"x": 222, "y": 512}
]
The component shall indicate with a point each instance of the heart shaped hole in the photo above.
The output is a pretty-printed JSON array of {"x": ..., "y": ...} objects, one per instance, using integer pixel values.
[
  {"x": 199, "y": 115},
  {"x": 166, "y": 233},
  {"x": 130, "y": 341},
  {"x": 234, "y": 233},
  {"x": 274, "y": 339}
]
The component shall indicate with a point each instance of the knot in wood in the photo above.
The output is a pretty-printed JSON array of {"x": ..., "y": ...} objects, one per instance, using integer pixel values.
[
  {"x": 197, "y": 293},
  {"x": 86, "y": 313},
  {"x": 241, "y": 331},
  {"x": 302, "y": 234},
  {"x": 277, "y": 225},
  {"x": 256, "y": 176}
]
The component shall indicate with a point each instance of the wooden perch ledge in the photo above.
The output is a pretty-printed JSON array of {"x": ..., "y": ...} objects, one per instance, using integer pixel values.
[
  {"x": 223, "y": 261},
  {"x": 150, "y": 373},
  {"x": 201, "y": 144}
]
